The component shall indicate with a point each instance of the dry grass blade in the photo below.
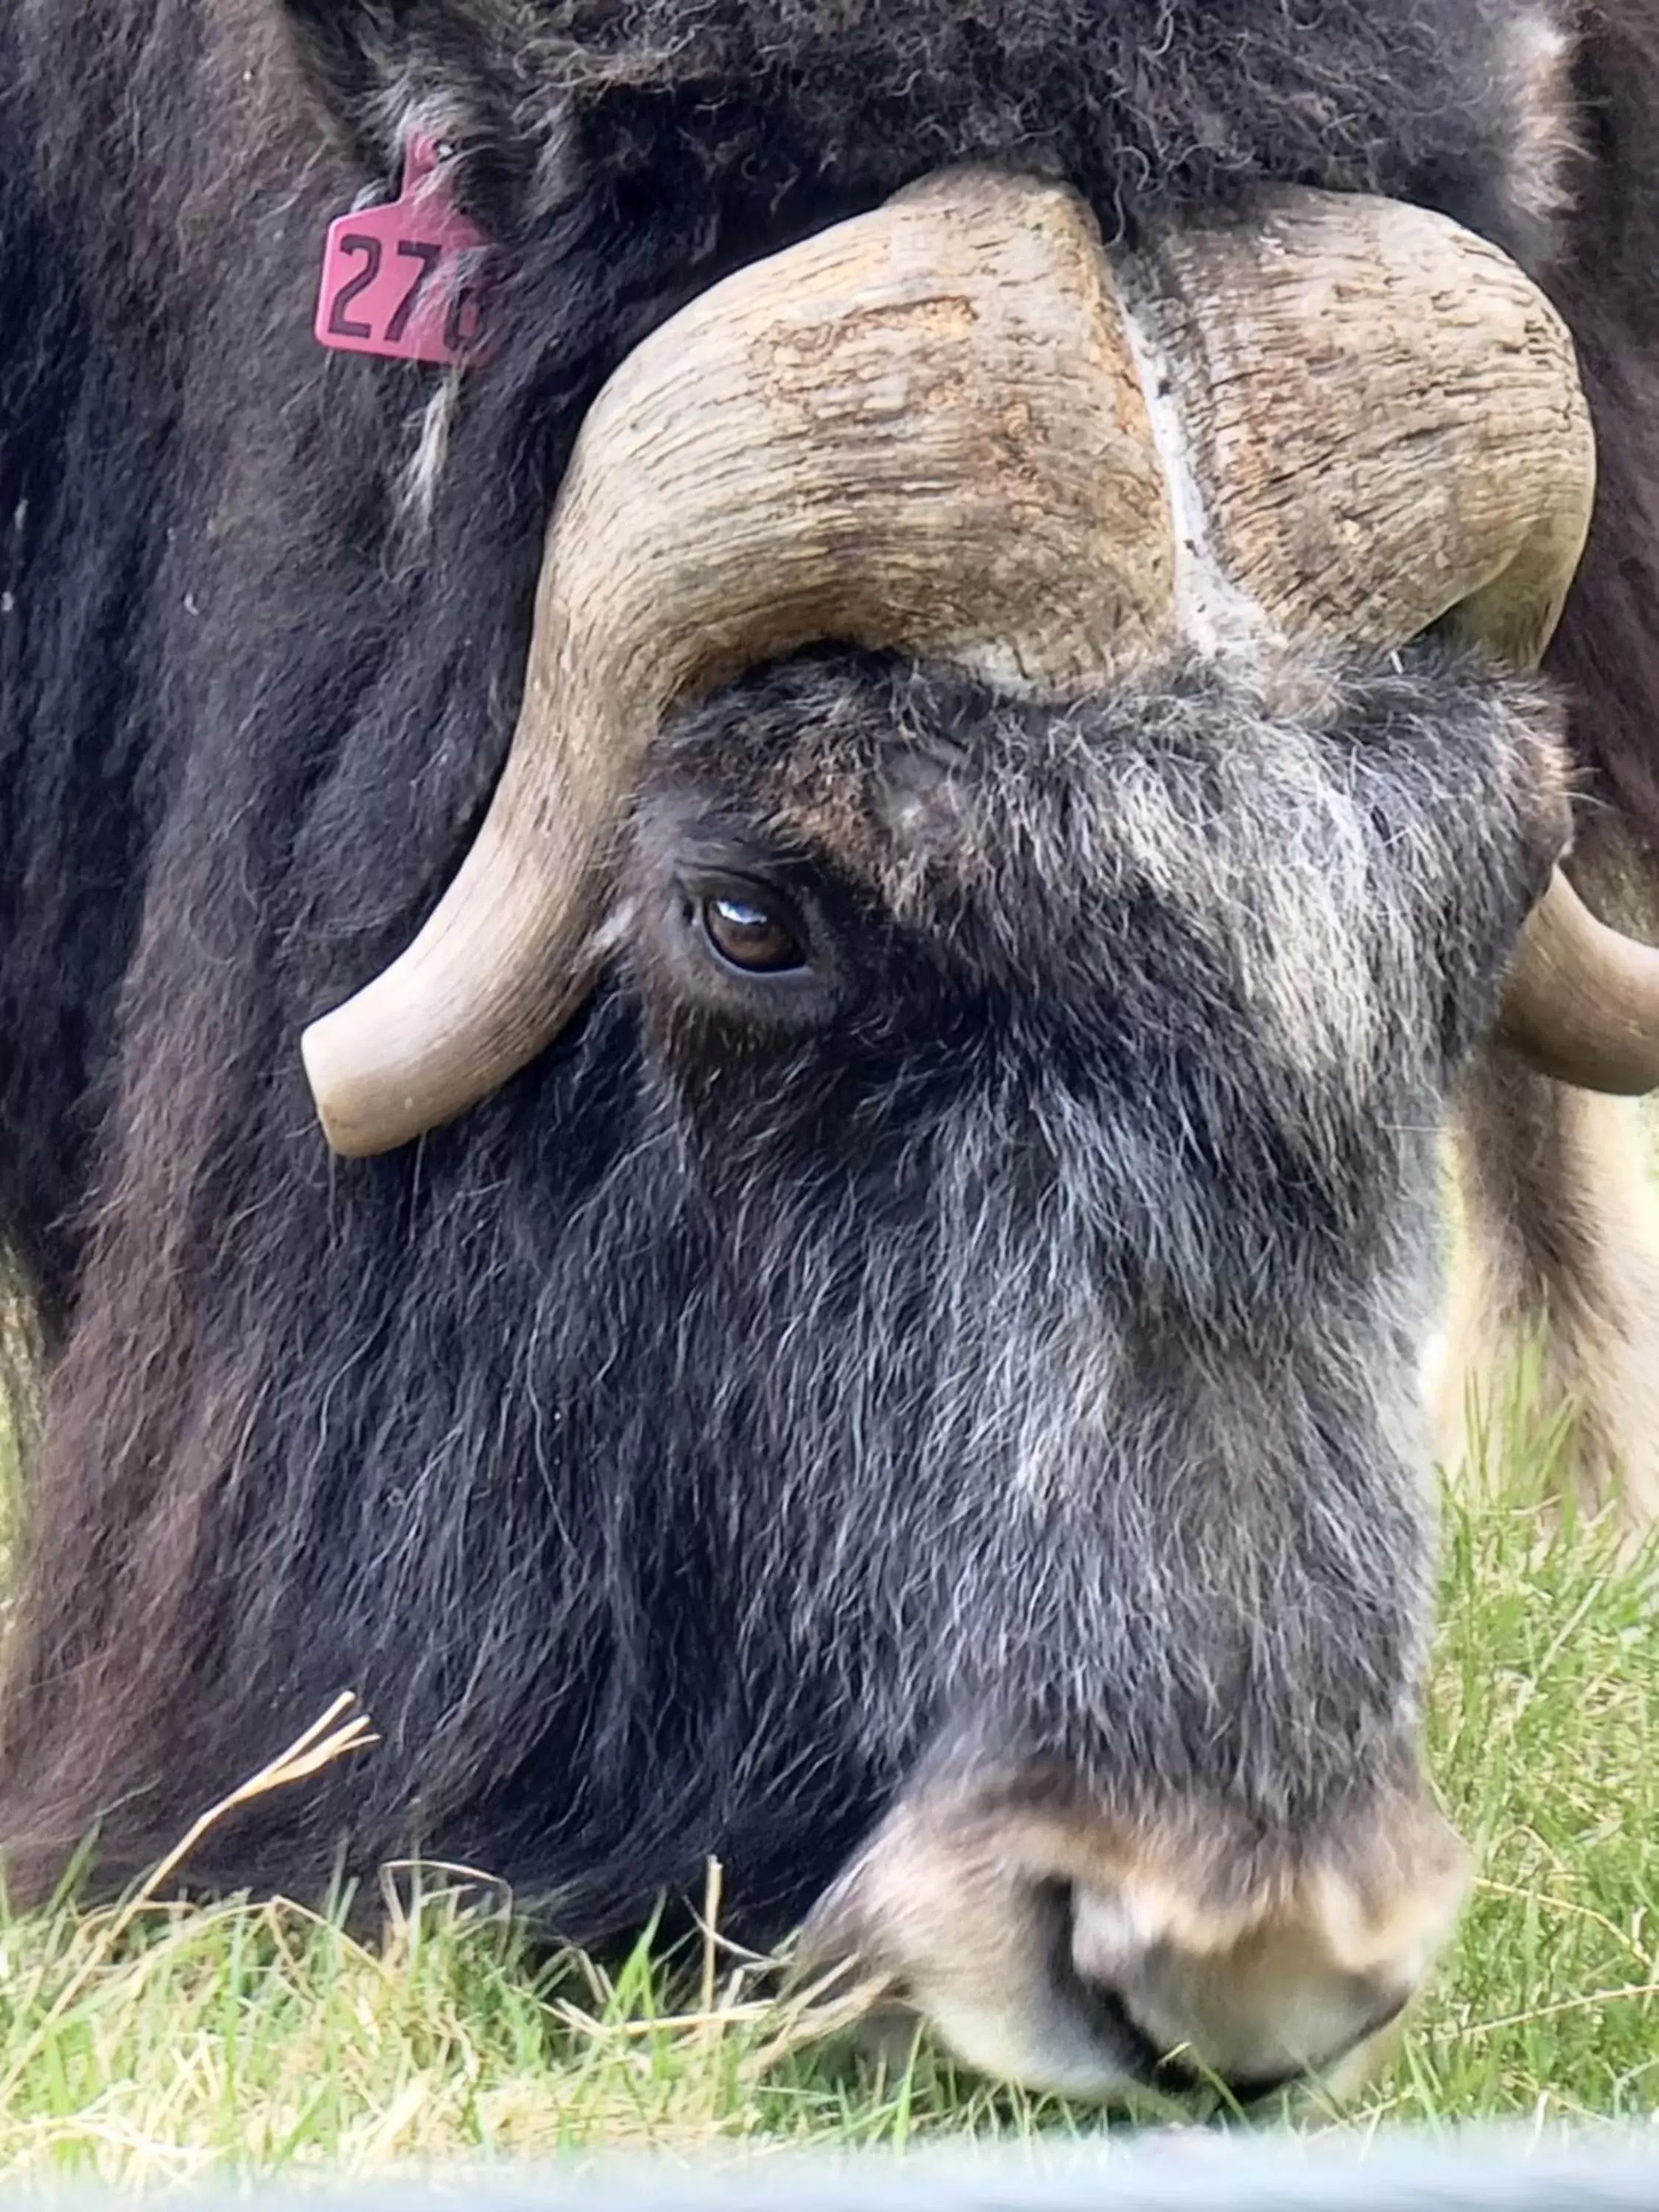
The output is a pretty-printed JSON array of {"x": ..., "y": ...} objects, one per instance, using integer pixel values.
[
  {"x": 711, "y": 1921},
  {"x": 330, "y": 1736},
  {"x": 813, "y": 2016}
]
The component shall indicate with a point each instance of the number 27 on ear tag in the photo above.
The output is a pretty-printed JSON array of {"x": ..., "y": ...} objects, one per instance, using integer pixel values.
[{"x": 404, "y": 280}]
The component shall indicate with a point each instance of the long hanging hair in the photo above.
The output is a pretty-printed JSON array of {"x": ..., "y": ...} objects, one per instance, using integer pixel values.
[{"x": 495, "y": 1430}]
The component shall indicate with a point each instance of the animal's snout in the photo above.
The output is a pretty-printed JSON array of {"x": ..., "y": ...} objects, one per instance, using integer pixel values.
[
  {"x": 1257, "y": 2007},
  {"x": 1077, "y": 1952}
]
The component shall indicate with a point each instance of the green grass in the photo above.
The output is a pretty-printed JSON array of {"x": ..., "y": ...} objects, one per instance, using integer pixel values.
[{"x": 156, "y": 2044}]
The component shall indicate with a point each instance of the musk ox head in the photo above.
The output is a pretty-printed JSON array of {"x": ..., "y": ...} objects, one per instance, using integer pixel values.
[
  {"x": 1041, "y": 1034},
  {"x": 1047, "y": 1096}
]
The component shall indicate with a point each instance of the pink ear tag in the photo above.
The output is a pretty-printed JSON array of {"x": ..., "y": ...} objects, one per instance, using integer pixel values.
[{"x": 404, "y": 280}]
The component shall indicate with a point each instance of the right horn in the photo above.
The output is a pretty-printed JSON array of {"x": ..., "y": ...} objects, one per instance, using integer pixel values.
[
  {"x": 1450, "y": 478},
  {"x": 1580, "y": 1002}
]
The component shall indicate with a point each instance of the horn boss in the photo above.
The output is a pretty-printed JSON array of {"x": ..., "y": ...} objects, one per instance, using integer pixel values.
[{"x": 960, "y": 428}]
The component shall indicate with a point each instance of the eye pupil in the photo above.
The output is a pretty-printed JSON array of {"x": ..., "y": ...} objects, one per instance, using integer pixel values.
[{"x": 749, "y": 937}]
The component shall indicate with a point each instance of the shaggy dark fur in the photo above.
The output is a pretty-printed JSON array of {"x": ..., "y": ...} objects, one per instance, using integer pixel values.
[
  {"x": 1606, "y": 652},
  {"x": 642, "y": 1447},
  {"x": 778, "y": 1375}
]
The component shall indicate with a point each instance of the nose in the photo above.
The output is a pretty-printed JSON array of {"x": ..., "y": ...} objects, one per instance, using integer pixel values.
[
  {"x": 1253, "y": 2003},
  {"x": 1074, "y": 1952}
]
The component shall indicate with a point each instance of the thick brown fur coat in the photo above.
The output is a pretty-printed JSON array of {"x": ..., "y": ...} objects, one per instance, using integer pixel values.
[{"x": 506, "y": 1431}]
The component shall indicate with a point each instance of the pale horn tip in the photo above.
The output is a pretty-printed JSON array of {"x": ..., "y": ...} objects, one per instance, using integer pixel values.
[{"x": 368, "y": 1100}]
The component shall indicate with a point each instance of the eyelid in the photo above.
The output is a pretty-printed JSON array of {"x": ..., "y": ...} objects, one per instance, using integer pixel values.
[{"x": 699, "y": 884}]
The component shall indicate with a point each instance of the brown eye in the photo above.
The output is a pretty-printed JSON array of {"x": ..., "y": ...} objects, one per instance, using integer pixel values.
[{"x": 750, "y": 936}]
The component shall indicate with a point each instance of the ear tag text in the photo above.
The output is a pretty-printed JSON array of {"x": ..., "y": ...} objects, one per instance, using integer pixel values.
[{"x": 405, "y": 280}]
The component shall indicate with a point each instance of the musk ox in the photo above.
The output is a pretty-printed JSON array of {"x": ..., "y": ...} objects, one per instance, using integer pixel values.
[{"x": 892, "y": 819}]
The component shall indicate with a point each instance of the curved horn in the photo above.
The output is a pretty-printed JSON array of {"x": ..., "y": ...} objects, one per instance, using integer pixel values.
[
  {"x": 1485, "y": 526},
  {"x": 1582, "y": 1002},
  {"x": 923, "y": 428},
  {"x": 1386, "y": 414},
  {"x": 954, "y": 427}
]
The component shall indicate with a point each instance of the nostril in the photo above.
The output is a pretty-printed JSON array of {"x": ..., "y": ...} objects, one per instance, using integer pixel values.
[
  {"x": 1112, "y": 2021},
  {"x": 1094, "y": 1947},
  {"x": 1179, "y": 2070},
  {"x": 1251, "y": 2008}
]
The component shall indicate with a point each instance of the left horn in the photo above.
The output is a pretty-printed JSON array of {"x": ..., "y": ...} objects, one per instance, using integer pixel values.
[
  {"x": 921, "y": 429},
  {"x": 957, "y": 428}
]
